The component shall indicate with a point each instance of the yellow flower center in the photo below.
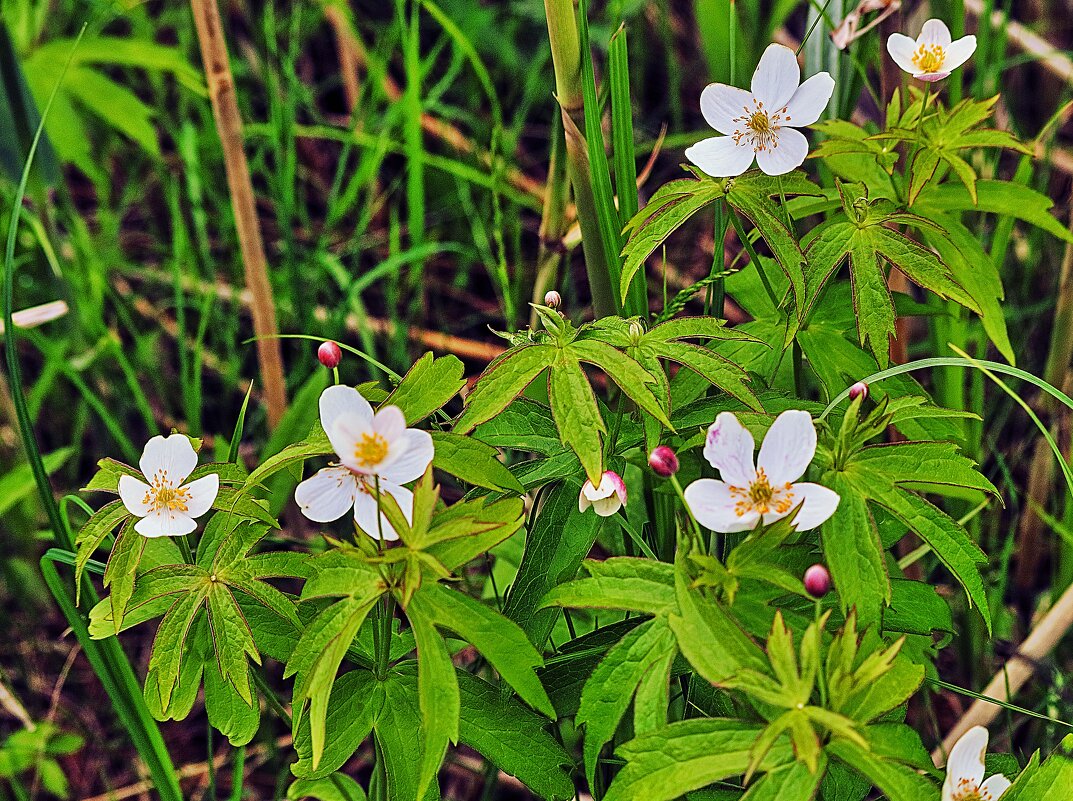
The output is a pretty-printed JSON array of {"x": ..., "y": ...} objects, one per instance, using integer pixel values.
[
  {"x": 968, "y": 790},
  {"x": 929, "y": 58},
  {"x": 759, "y": 127},
  {"x": 762, "y": 498},
  {"x": 371, "y": 450},
  {"x": 162, "y": 495}
]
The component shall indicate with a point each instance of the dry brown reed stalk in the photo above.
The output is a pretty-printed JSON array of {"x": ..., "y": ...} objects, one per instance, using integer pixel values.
[
  {"x": 1014, "y": 674},
  {"x": 229, "y": 127}
]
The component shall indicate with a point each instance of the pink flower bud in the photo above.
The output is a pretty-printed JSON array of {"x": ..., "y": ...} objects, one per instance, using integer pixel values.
[
  {"x": 607, "y": 498},
  {"x": 663, "y": 461},
  {"x": 859, "y": 390},
  {"x": 817, "y": 581},
  {"x": 553, "y": 299},
  {"x": 329, "y": 354}
]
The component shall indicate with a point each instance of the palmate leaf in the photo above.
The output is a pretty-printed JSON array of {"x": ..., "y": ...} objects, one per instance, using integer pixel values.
[
  {"x": 865, "y": 238},
  {"x": 472, "y": 461},
  {"x": 428, "y": 386},
  {"x": 437, "y": 693},
  {"x": 625, "y": 583}
]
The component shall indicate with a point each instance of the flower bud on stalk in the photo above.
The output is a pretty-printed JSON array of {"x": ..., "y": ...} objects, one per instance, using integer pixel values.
[
  {"x": 817, "y": 581},
  {"x": 663, "y": 461},
  {"x": 329, "y": 354},
  {"x": 553, "y": 299},
  {"x": 859, "y": 390}
]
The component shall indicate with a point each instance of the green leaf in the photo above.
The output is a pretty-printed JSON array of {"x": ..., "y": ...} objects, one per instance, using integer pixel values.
[
  {"x": 92, "y": 535},
  {"x": 168, "y": 647},
  {"x": 484, "y": 526},
  {"x": 502, "y": 382},
  {"x": 608, "y": 691},
  {"x": 686, "y": 756},
  {"x": 335, "y": 787},
  {"x": 232, "y": 640},
  {"x": 513, "y": 738},
  {"x": 316, "y": 444},
  {"x": 229, "y": 713},
  {"x": 630, "y": 376},
  {"x": 122, "y": 569},
  {"x": 627, "y": 583},
  {"x": 437, "y": 692},
  {"x": 427, "y": 387},
  {"x": 577, "y": 416},
  {"x": 524, "y": 425},
  {"x": 936, "y": 467},
  {"x": 353, "y": 709},
  {"x": 1004, "y": 198},
  {"x": 499, "y": 640},
  {"x": 398, "y": 734},
  {"x": 897, "y": 782},
  {"x": 793, "y": 782},
  {"x": 473, "y": 461},
  {"x": 555, "y": 546},
  {"x": 854, "y": 553}
]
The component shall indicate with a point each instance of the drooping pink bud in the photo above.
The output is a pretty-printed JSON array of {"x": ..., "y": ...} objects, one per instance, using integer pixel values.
[
  {"x": 553, "y": 299},
  {"x": 663, "y": 461},
  {"x": 817, "y": 581},
  {"x": 859, "y": 390},
  {"x": 329, "y": 354}
]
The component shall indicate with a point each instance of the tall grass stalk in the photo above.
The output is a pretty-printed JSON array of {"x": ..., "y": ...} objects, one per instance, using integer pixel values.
[{"x": 221, "y": 85}]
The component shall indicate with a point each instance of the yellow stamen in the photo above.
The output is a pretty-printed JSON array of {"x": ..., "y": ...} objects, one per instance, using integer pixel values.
[
  {"x": 759, "y": 127},
  {"x": 371, "y": 450},
  {"x": 929, "y": 58},
  {"x": 762, "y": 498},
  {"x": 162, "y": 495}
]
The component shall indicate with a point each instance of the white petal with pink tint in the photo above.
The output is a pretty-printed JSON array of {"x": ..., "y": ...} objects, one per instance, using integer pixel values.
[
  {"x": 788, "y": 447},
  {"x": 327, "y": 495},
  {"x": 721, "y": 105},
  {"x": 729, "y": 449}
]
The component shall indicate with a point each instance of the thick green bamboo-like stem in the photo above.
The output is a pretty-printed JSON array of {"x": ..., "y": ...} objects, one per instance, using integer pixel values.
[
  {"x": 566, "y": 56},
  {"x": 552, "y": 223},
  {"x": 221, "y": 86}
]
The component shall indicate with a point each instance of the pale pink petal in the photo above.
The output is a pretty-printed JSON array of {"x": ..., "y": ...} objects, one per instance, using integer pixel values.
[
  {"x": 712, "y": 503},
  {"x": 721, "y": 157},
  {"x": 327, "y": 495},
  {"x": 346, "y": 435},
  {"x": 901, "y": 49},
  {"x": 819, "y": 503},
  {"x": 729, "y": 449},
  {"x": 809, "y": 101},
  {"x": 165, "y": 522},
  {"x": 934, "y": 32},
  {"x": 959, "y": 52},
  {"x": 786, "y": 154},
  {"x": 788, "y": 448},
  {"x": 776, "y": 78},
  {"x": 341, "y": 401},
  {"x": 173, "y": 456},
  {"x": 995, "y": 787},
  {"x": 202, "y": 494},
  {"x": 721, "y": 105},
  {"x": 389, "y": 422},
  {"x": 966, "y": 759},
  {"x": 931, "y": 77},
  {"x": 415, "y": 452},
  {"x": 133, "y": 493},
  {"x": 366, "y": 509}
]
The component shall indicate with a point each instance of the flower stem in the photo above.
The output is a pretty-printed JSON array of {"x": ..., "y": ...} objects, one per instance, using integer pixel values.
[{"x": 184, "y": 549}]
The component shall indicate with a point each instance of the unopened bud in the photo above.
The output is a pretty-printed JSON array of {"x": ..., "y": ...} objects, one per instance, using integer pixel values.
[
  {"x": 636, "y": 331},
  {"x": 329, "y": 354},
  {"x": 663, "y": 461},
  {"x": 553, "y": 299},
  {"x": 859, "y": 390},
  {"x": 817, "y": 581}
]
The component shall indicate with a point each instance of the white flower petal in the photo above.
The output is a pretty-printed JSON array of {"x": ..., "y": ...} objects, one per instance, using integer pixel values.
[
  {"x": 729, "y": 449},
  {"x": 720, "y": 157},
  {"x": 133, "y": 493},
  {"x": 327, "y": 495},
  {"x": 787, "y": 154},
  {"x": 809, "y": 101},
  {"x": 966, "y": 759},
  {"x": 901, "y": 49},
  {"x": 583, "y": 502},
  {"x": 339, "y": 401},
  {"x": 416, "y": 450},
  {"x": 712, "y": 504},
  {"x": 389, "y": 422},
  {"x": 346, "y": 434},
  {"x": 721, "y": 105},
  {"x": 165, "y": 522},
  {"x": 203, "y": 494},
  {"x": 788, "y": 448},
  {"x": 777, "y": 77},
  {"x": 605, "y": 507},
  {"x": 174, "y": 455},
  {"x": 934, "y": 32},
  {"x": 996, "y": 786},
  {"x": 959, "y": 52},
  {"x": 366, "y": 510},
  {"x": 819, "y": 503}
]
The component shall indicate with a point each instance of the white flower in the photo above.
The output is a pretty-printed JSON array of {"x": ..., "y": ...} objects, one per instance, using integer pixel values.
[
  {"x": 932, "y": 56},
  {"x": 767, "y": 490},
  {"x": 166, "y": 506},
  {"x": 762, "y": 123},
  {"x": 373, "y": 448},
  {"x": 605, "y": 499},
  {"x": 965, "y": 770}
]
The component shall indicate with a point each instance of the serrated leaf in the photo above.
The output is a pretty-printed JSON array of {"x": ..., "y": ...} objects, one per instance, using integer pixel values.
[
  {"x": 316, "y": 444},
  {"x": 92, "y": 535},
  {"x": 626, "y": 583},
  {"x": 471, "y": 460},
  {"x": 353, "y": 709},
  {"x": 428, "y": 386},
  {"x": 437, "y": 692},
  {"x": 897, "y": 782},
  {"x": 577, "y": 415},
  {"x": 232, "y": 640},
  {"x": 168, "y": 646},
  {"x": 854, "y": 553},
  {"x": 502, "y": 382},
  {"x": 122, "y": 569},
  {"x": 229, "y": 713}
]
